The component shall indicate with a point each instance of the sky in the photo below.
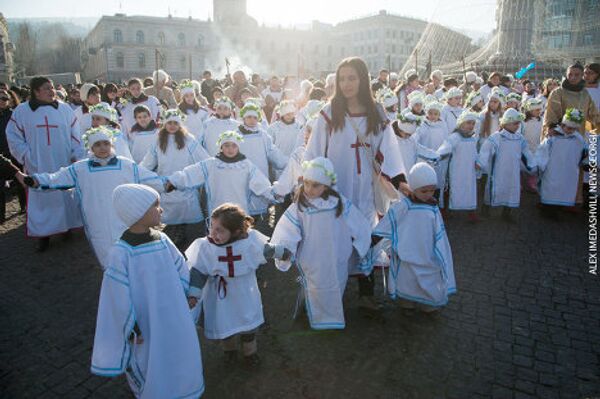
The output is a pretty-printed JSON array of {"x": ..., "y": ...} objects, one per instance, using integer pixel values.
[{"x": 474, "y": 15}]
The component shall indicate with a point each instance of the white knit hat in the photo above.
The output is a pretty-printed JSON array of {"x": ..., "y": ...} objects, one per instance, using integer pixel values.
[
  {"x": 421, "y": 175},
  {"x": 186, "y": 86},
  {"x": 498, "y": 95},
  {"x": 410, "y": 73},
  {"x": 473, "y": 98},
  {"x": 511, "y": 115},
  {"x": 470, "y": 76},
  {"x": 173, "y": 115},
  {"x": 479, "y": 80},
  {"x": 512, "y": 96},
  {"x": 104, "y": 110},
  {"x": 466, "y": 116},
  {"x": 414, "y": 98},
  {"x": 408, "y": 122},
  {"x": 453, "y": 92},
  {"x": 160, "y": 76},
  {"x": 320, "y": 170},
  {"x": 96, "y": 134},
  {"x": 287, "y": 107},
  {"x": 573, "y": 118},
  {"x": 85, "y": 89},
  {"x": 393, "y": 76},
  {"x": 436, "y": 105},
  {"x": 132, "y": 201},
  {"x": 386, "y": 97},
  {"x": 230, "y": 136},
  {"x": 438, "y": 74}
]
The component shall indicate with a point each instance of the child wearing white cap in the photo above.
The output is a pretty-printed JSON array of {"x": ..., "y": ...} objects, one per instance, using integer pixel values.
[
  {"x": 94, "y": 180},
  {"x": 260, "y": 150},
  {"x": 322, "y": 229},
  {"x": 175, "y": 149},
  {"x": 285, "y": 131},
  {"x": 144, "y": 327},
  {"x": 460, "y": 148},
  {"x": 560, "y": 159},
  {"x": 416, "y": 101},
  {"x": 90, "y": 95},
  {"x": 532, "y": 130},
  {"x": 222, "y": 121},
  {"x": 421, "y": 270},
  {"x": 137, "y": 98},
  {"x": 500, "y": 157},
  {"x": 453, "y": 107},
  {"x": 105, "y": 115},
  {"x": 227, "y": 177},
  {"x": 189, "y": 105},
  {"x": 404, "y": 128},
  {"x": 389, "y": 101}
]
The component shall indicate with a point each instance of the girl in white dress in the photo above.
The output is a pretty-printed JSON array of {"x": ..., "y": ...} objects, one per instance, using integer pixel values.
[
  {"x": 105, "y": 115},
  {"x": 191, "y": 108},
  {"x": 220, "y": 122},
  {"x": 453, "y": 107},
  {"x": 532, "y": 130}
]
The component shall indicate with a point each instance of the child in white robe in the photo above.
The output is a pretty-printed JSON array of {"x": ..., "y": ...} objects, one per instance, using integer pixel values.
[
  {"x": 191, "y": 108},
  {"x": 175, "y": 149},
  {"x": 421, "y": 269},
  {"x": 322, "y": 229},
  {"x": 94, "y": 180},
  {"x": 223, "y": 269},
  {"x": 143, "y": 134},
  {"x": 285, "y": 131},
  {"x": 137, "y": 98},
  {"x": 105, "y": 115},
  {"x": 461, "y": 150},
  {"x": 560, "y": 158},
  {"x": 213, "y": 127},
  {"x": 90, "y": 96},
  {"x": 532, "y": 130},
  {"x": 144, "y": 326},
  {"x": 513, "y": 100},
  {"x": 227, "y": 177},
  {"x": 453, "y": 108},
  {"x": 389, "y": 101},
  {"x": 259, "y": 149},
  {"x": 404, "y": 128},
  {"x": 500, "y": 157}
]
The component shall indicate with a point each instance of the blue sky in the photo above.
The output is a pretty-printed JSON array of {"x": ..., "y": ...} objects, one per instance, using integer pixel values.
[{"x": 475, "y": 15}]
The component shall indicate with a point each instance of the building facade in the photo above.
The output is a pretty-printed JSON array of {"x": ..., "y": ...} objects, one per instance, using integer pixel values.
[{"x": 6, "y": 53}]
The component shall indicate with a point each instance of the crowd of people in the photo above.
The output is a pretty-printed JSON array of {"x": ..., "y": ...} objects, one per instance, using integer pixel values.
[{"x": 179, "y": 185}]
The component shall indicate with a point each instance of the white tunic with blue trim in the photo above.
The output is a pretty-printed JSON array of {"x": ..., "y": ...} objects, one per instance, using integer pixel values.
[
  {"x": 285, "y": 136},
  {"x": 421, "y": 267},
  {"x": 94, "y": 185},
  {"x": 231, "y": 299},
  {"x": 323, "y": 244},
  {"x": 412, "y": 151},
  {"x": 140, "y": 142},
  {"x": 432, "y": 135},
  {"x": 147, "y": 284},
  {"x": 559, "y": 159},
  {"x": 462, "y": 176},
  {"x": 194, "y": 120},
  {"x": 211, "y": 130},
  {"x": 179, "y": 207}
]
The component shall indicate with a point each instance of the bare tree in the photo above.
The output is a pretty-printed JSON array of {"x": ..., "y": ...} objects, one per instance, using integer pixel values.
[{"x": 26, "y": 49}]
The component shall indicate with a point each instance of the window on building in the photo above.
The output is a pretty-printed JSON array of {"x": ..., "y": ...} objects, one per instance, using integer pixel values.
[
  {"x": 394, "y": 34},
  {"x": 139, "y": 37},
  {"x": 161, "y": 38},
  {"x": 588, "y": 39},
  {"x": 182, "y": 62},
  {"x": 181, "y": 40},
  {"x": 120, "y": 60},
  {"x": 118, "y": 36},
  {"x": 142, "y": 60}
]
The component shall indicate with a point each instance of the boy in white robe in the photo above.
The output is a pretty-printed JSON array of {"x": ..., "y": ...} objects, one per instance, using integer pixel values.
[
  {"x": 144, "y": 326},
  {"x": 259, "y": 149},
  {"x": 94, "y": 180},
  {"x": 421, "y": 270},
  {"x": 223, "y": 267},
  {"x": 453, "y": 108},
  {"x": 322, "y": 229},
  {"x": 90, "y": 96},
  {"x": 137, "y": 98},
  {"x": 285, "y": 131},
  {"x": 143, "y": 134},
  {"x": 389, "y": 101},
  {"x": 214, "y": 126},
  {"x": 228, "y": 177},
  {"x": 105, "y": 115},
  {"x": 560, "y": 158},
  {"x": 404, "y": 128},
  {"x": 460, "y": 148},
  {"x": 500, "y": 157},
  {"x": 191, "y": 108}
]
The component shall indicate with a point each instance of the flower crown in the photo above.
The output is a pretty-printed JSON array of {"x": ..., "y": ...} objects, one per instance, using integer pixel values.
[
  {"x": 328, "y": 173},
  {"x": 384, "y": 93},
  {"x": 96, "y": 130},
  {"x": 403, "y": 117},
  {"x": 574, "y": 115},
  {"x": 173, "y": 113},
  {"x": 513, "y": 97},
  {"x": 230, "y": 134},
  {"x": 250, "y": 107},
  {"x": 186, "y": 84}
]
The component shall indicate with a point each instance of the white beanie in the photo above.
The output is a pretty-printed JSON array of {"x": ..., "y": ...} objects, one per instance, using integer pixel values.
[
  {"x": 414, "y": 98},
  {"x": 421, "y": 175},
  {"x": 386, "y": 97},
  {"x": 251, "y": 109},
  {"x": 479, "y": 81},
  {"x": 85, "y": 89},
  {"x": 132, "y": 201},
  {"x": 436, "y": 105},
  {"x": 320, "y": 170},
  {"x": 466, "y": 116},
  {"x": 287, "y": 107},
  {"x": 470, "y": 76},
  {"x": 160, "y": 76},
  {"x": 230, "y": 136},
  {"x": 532, "y": 103},
  {"x": 104, "y": 110},
  {"x": 454, "y": 92},
  {"x": 410, "y": 73},
  {"x": 438, "y": 74},
  {"x": 511, "y": 115},
  {"x": 393, "y": 76},
  {"x": 96, "y": 134}
]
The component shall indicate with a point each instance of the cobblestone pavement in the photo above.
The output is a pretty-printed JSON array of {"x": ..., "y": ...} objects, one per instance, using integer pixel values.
[{"x": 525, "y": 323}]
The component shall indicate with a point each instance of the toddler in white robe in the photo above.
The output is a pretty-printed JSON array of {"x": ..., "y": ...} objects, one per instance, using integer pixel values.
[
  {"x": 222, "y": 121},
  {"x": 322, "y": 229},
  {"x": 144, "y": 327},
  {"x": 532, "y": 130},
  {"x": 142, "y": 135},
  {"x": 286, "y": 130},
  {"x": 190, "y": 106},
  {"x": 94, "y": 180},
  {"x": 223, "y": 280},
  {"x": 421, "y": 270},
  {"x": 410, "y": 148},
  {"x": 105, "y": 115},
  {"x": 453, "y": 108}
]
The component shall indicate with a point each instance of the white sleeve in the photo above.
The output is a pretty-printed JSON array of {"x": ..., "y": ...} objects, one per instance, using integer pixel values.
[
  {"x": 392, "y": 165},
  {"x": 542, "y": 154},
  {"x": 149, "y": 178},
  {"x": 274, "y": 154},
  {"x": 446, "y": 147},
  {"x": 150, "y": 160},
  {"x": 191, "y": 177},
  {"x": 63, "y": 179},
  {"x": 527, "y": 157},
  {"x": 259, "y": 184},
  {"x": 318, "y": 140},
  {"x": 288, "y": 233},
  {"x": 15, "y": 134},
  {"x": 485, "y": 154},
  {"x": 198, "y": 152},
  {"x": 359, "y": 226}
]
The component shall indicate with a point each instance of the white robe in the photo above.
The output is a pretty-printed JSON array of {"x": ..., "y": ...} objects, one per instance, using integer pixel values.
[
  {"x": 500, "y": 157},
  {"x": 140, "y": 143},
  {"x": 45, "y": 140},
  {"x": 494, "y": 126},
  {"x": 421, "y": 268},
  {"x": 127, "y": 117},
  {"x": 211, "y": 130},
  {"x": 323, "y": 268},
  {"x": 532, "y": 130},
  {"x": 224, "y": 182},
  {"x": 450, "y": 115},
  {"x": 351, "y": 162},
  {"x": 432, "y": 135},
  {"x": 194, "y": 121},
  {"x": 231, "y": 299},
  {"x": 84, "y": 118},
  {"x": 147, "y": 285},
  {"x": 121, "y": 145},
  {"x": 559, "y": 159},
  {"x": 94, "y": 186},
  {"x": 179, "y": 207},
  {"x": 412, "y": 151},
  {"x": 462, "y": 175},
  {"x": 288, "y": 179},
  {"x": 284, "y": 136}
]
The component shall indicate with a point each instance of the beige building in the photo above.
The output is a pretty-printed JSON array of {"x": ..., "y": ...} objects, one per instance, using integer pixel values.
[{"x": 6, "y": 52}]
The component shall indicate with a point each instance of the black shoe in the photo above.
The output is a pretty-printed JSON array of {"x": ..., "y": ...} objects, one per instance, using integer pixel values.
[{"x": 42, "y": 244}]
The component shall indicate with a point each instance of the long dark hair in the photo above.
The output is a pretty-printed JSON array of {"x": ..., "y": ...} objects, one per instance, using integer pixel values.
[
  {"x": 300, "y": 199},
  {"x": 183, "y": 106},
  {"x": 163, "y": 138},
  {"x": 35, "y": 84},
  {"x": 339, "y": 106}
]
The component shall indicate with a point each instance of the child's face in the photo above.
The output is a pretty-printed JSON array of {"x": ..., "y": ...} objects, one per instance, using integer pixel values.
[
  {"x": 535, "y": 113},
  {"x": 567, "y": 129},
  {"x": 467, "y": 126},
  {"x": 513, "y": 104},
  {"x": 143, "y": 119},
  {"x": 313, "y": 190},
  {"x": 152, "y": 216},
  {"x": 172, "y": 127},
  {"x": 135, "y": 90},
  {"x": 512, "y": 126},
  {"x": 454, "y": 101},
  {"x": 102, "y": 149},
  {"x": 494, "y": 104},
  {"x": 219, "y": 234},
  {"x": 479, "y": 104},
  {"x": 223, "y": 111},
  {"x": 93, "y": 98},
  {"x": 289, "y": 117},
  {"x": 230, "y": 150},
  {"x": 98, "y": 120},
  {"x": 217, "y": 95},
  {"x": 433, "y": 115},
  {"x": 250, "y": 121},
  {"x": 189, "y": 98},
  {"x": 425, "y": 193},
  {"x": 417, "y": 108}
]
